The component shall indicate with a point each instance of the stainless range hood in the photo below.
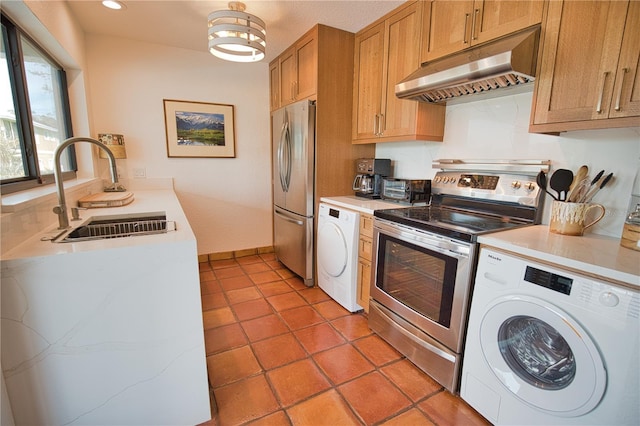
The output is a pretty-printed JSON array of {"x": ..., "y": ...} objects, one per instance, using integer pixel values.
[{"x": 494, "y": 66}]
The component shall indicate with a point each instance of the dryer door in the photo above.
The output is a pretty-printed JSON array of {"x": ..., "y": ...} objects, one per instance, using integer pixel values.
[
  {"x": 332, "y": 249},
  {"x": 543, "y": 356}
]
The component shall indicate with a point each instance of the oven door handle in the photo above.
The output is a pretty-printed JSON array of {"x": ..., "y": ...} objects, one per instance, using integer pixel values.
[
  {"x": 428, "y": 346},
  {"x": 427, "y": 240}
]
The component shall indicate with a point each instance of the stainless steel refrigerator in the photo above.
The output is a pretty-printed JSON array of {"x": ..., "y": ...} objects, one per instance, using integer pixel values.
[{"x": 293, "y": 145}]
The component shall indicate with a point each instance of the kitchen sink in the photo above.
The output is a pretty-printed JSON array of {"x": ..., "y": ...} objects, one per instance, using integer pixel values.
[{"x": 118, "y": 226}]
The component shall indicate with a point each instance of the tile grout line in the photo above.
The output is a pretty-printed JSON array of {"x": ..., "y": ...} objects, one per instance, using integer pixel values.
[{"x": 310, "y": 356}]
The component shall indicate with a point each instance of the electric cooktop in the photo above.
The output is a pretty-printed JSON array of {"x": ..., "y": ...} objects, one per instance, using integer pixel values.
[{"x": 464, "y": 226}]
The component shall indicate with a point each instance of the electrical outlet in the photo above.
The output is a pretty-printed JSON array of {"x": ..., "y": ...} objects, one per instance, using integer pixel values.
[{"x": 140, "y": 173}]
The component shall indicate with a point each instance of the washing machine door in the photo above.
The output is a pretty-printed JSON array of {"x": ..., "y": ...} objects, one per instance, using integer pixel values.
[
  {"x": 543, "y": 356},
  {"x": 332, "y": 249}
]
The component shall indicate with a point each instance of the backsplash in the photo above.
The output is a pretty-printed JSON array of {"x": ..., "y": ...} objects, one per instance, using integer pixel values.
[{"x": 498, "y": 129}]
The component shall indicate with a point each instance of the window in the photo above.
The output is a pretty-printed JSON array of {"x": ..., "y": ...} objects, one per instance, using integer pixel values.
[{"x": 34, "y": 113}]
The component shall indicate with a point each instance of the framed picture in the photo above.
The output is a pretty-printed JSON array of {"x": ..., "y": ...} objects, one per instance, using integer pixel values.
[{"x": 199, "y": 129}]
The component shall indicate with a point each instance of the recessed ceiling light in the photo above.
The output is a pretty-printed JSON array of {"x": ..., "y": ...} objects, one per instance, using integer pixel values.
[{"x": 113, "y": 4}]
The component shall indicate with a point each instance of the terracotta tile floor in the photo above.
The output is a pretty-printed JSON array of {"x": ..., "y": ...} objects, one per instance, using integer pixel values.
[{"x": 279, "y": 353}]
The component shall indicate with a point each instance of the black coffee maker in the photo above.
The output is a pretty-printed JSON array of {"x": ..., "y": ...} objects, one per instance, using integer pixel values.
[{"x": 368, "y": 180}]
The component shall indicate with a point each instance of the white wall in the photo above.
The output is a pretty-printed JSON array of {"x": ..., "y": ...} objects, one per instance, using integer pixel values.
[
  {"x": 498, "y": 129},
  {"x": 227, "y": 200}
]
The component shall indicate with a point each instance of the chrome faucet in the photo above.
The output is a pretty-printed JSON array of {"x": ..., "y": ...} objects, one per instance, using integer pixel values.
[{"x": 61, "y": 208}]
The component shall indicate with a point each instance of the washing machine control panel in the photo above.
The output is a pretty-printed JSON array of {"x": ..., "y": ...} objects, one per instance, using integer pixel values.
[{"x": 548, "y": 280}]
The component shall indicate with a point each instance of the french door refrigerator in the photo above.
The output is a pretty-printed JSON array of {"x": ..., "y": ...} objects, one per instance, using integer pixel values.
[{"x": 293, "y": 146}]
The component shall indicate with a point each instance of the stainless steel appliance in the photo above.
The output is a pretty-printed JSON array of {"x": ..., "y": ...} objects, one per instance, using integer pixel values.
[
  {"x": 503, "y": 65},
  {"x": 293, "y": 139},
  {"x": 425, "y": 257},
  {"x": 370, "y": 172},
  {"x": 406, "y": 190}
]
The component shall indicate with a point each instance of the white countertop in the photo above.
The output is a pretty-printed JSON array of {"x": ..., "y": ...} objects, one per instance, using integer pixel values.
[
  {"x": 145, "y": 201},
  {"x": 591, "y": 253},
  {"x": 361, "y": 204}
]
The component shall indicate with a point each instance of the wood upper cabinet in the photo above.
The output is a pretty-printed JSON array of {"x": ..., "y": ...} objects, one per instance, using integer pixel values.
[
  {"x": 274, "y": 85},
  {"x": 588, "y": 74},
  {"x": 367, "y": 89},
  {"x": 297, "y": 71},
  {"x": 385, "y": 53},
  {"x": 452, "y": 26}
]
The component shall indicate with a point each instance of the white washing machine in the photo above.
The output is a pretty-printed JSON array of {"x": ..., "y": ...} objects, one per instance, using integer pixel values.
[
  {"x": 545, "y": 346},
  {"x": 338, "y": 254}
]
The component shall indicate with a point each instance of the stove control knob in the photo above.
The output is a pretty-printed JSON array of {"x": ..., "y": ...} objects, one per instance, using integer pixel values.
[
  {"x": 515, "y": 184},
  {"x": 437, "y": 179},
  {"x": 453, "y": 180},
  {"x": 529, "y": 186},
  {"x": 445, "y": 180}
]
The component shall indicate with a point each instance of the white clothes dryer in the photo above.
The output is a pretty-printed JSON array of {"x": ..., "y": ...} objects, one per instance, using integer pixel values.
[
  {"x": 337, "y": 254},
  {"x": 546, "y": 346}
]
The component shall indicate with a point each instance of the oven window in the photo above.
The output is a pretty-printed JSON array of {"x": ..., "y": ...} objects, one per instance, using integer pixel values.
[{"x": 417, "y": 277}]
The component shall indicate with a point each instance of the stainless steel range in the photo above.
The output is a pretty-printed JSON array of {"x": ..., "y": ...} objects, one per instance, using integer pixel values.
[{"x": 425, "y": 257}]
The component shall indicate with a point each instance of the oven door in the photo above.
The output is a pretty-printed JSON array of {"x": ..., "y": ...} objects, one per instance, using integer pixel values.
[{"x": 423, "y": 278}]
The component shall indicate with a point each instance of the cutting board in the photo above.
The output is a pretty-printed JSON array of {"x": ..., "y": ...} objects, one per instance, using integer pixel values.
[{"x": 106, "y": 199}]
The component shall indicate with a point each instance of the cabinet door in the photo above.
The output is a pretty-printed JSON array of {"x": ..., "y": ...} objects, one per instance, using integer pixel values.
[
  {"x": 457, "y": 25},
  {"x": 496, "y": 18},
  {"x": 274, "y": 85},
  {"x": 579, "y": 61},
  {"x": 306, "y": 67},
  {"x": 368, "y": 75},
  {"x": 626, "y": 93},
  {"x": 402, "y": 46},
  {"x": 287, "y": 76},
  {"x": 364, "y": 283},
  {"x": 449, "y": 27}
]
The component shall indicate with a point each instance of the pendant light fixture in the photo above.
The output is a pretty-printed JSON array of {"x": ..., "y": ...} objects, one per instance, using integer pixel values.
[{"x": 235, "y": 35}]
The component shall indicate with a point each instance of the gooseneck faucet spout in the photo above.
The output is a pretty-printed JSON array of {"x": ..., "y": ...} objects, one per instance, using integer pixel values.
[{"x": 61, "y": 208}]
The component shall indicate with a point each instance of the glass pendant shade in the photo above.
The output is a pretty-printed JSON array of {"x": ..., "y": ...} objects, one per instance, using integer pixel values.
[{"x": 235, "y": 35}]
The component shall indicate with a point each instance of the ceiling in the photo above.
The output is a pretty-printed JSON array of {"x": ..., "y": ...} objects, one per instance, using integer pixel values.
[{"x": 183, "y": 23}]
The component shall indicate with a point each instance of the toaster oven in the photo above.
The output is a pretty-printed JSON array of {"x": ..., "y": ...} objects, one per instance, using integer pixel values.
[{"x": 406, "y": 190}]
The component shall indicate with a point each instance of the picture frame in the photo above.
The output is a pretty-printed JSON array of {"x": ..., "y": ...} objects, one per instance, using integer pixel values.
[{"x": 199, "y": 129}]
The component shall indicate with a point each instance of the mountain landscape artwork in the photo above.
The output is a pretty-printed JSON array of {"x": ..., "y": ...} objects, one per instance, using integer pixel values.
[{"x": 200, "y": 129}]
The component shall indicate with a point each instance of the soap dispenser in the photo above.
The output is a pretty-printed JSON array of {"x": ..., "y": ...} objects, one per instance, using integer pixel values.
[{"x": 631, "y": 230}]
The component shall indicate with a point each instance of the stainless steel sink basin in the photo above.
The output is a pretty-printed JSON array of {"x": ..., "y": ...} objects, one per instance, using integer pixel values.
[{"x": 118, "y": 226}]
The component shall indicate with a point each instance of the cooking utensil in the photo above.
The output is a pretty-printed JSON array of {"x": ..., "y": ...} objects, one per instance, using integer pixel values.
[
  {"x": 560, "y": 182},
  {"x": 541, "y": 180},
  {"x": 577, "y": 180},
  {"x": 596, "y": 189},
  {"x": 579, "y": 191},
  {"x": 595, "y": 180}
]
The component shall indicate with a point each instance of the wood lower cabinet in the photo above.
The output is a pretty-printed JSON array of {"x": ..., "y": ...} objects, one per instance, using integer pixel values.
[
  {"x": 365, "y": 258},
  {"x": 452, "y": 26},
  {"x": 588, "y": 73},
  {"x": 385, "y": 53}
]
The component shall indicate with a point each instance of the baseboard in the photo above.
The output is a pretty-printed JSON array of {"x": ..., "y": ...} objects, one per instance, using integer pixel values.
[{"x": 234, "y": 254}]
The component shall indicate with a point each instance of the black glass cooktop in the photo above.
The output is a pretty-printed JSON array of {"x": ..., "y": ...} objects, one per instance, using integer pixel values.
[{"x": 451, "y": 223}]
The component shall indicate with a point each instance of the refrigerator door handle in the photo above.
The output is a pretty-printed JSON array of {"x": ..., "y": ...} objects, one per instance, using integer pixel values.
[
  {"x": 287, "y": 218},
  {"x": 287, "y": 155},
  {"x": 282, "y": 166}
]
